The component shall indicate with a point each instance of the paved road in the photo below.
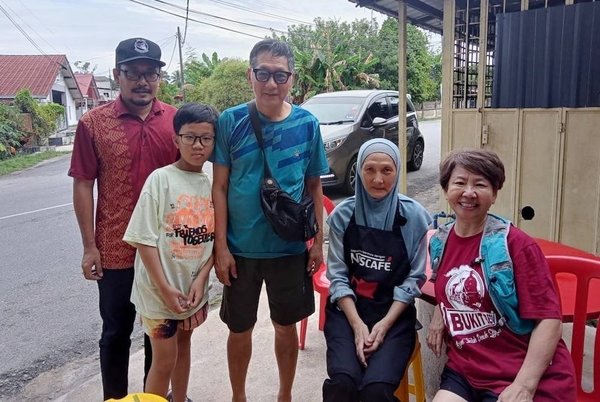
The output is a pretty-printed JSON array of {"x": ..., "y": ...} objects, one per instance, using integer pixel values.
[{"x": 49, "y": 312}]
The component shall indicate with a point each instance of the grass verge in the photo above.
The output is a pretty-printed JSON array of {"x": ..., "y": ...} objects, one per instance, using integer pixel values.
[{"x": 24, "y": 161}]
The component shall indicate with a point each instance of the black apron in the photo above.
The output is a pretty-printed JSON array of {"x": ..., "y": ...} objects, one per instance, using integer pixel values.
[{"x": 378, "y": 262}]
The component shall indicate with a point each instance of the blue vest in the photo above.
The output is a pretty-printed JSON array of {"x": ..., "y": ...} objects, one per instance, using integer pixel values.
[{"x": 497, "y": 270}]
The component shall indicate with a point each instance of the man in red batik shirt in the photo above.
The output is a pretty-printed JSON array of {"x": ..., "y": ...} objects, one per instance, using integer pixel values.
[{"x": 118, "y": 145}]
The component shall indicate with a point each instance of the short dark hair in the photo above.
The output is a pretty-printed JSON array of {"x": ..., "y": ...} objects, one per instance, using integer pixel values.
[
  {"x": 275, "y": 47},
  {"x": 479, "y": 161},
  {"x": 195, "y": 113}
]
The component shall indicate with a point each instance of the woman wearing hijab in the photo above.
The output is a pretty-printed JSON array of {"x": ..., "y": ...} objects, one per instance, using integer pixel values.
[{"x": 376, "y": 265}]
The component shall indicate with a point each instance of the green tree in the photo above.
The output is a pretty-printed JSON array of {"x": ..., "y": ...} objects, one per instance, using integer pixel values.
[
  {"x": 197, "y": 69},
  {"x": 333, "y": 56},
  {"x": 84, "y": 67},
  {"x": 225, "y": 87},
  {"x": 167, "y": 92},
  {"x": 422, "y": 80}
]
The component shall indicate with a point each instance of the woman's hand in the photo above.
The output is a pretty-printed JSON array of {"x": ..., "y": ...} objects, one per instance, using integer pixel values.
[
  {"x": 176, "y": 301},
  {"x": 376, "y": 337},
  {"x": 435, "y": 333},
  {"x": 516, "y": 393},
  {"x": 361, "y": 341}
]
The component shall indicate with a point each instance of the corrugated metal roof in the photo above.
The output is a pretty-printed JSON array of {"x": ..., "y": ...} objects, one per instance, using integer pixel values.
[
  {"x": 427, "y": 14},
  {"x": 36, "y": 73}
]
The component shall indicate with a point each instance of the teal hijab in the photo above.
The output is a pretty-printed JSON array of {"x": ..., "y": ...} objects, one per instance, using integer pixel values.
[{"x": 368, "y": 211}]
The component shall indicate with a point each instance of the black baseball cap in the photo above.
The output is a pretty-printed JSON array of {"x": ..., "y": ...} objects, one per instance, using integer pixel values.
[{"x": 138, "y": 49}]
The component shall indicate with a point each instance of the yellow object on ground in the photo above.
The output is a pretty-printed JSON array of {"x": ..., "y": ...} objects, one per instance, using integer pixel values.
[{"x": 139, "y": 397}]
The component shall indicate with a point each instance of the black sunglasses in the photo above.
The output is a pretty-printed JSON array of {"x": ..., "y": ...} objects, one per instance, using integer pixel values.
[{"x": 280, "y": 77}]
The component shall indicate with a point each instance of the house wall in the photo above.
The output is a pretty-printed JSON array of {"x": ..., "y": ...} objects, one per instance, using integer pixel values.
[
  {"x": 552, "y": 187},
  {"x": 106, "y": 93},
  {"x": 67, "y": 99}
]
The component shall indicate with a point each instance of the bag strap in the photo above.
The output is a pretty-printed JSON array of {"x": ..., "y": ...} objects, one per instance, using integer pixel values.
[{"x": 256, "y": 125}]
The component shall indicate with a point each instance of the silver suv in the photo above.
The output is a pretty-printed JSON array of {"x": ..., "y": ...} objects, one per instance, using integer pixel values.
[{"x": 349, "y": 118}]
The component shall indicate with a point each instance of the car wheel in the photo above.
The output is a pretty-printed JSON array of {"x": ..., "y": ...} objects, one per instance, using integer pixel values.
[
  {"x": 350, "y": 180},
  {"x": 417, "y": 156}
]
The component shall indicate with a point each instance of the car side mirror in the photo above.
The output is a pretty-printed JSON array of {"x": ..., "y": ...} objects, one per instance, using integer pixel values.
[{"x": 378, "y": 121}]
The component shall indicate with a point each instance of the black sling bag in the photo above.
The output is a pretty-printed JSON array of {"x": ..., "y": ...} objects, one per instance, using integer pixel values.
[{"x": 291, "y": 220}]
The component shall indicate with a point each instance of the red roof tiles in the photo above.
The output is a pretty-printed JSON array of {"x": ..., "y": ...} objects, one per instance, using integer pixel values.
[
  {"x": 87, "y": 85},
  {"x": 36, "y": 73}
]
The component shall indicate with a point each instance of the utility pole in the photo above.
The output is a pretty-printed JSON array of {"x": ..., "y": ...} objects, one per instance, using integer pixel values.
[{"x": 181, "y": 81}]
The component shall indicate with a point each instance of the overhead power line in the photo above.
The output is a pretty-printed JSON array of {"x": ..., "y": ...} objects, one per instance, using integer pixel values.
[
  {"x": 200, "y": 22},
  {"x": 39, "y": 49},
  {"x": 31, "y": 29},
  {"x": 172, "y": 54},
  {"x": 187, "y": 14},
  {"x": 254, "y": 11},
  {"x": 276, "y": 8},
  {"x": 217, "y": 17}
]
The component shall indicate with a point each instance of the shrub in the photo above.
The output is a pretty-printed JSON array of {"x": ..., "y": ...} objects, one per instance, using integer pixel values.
[
  {"x": 43, "y": 117},
  {"x": 10, "y": 131}
]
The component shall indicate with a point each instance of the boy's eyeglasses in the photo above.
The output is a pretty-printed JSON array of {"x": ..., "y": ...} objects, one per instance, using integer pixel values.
[
  {"x": 150, "y": 76},
  {"x": 280, "y": 77},
  {"x": 188, "y": 139}
]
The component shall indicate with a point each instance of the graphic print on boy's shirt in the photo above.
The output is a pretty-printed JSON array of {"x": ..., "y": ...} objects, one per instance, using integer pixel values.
[
  {"x": 469, "y": 316},
  {"x": 190, "y": 225}
]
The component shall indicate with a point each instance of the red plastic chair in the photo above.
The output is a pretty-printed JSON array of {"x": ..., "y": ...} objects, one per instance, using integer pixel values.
[
  {"x": 320, "y": 285},
  {"x": 584, "y": 271}
]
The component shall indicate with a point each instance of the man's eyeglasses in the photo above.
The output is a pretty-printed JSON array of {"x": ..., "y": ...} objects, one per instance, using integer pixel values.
[
  {"x": 150, "y": 76},
  {"x": 280, "y": 77},
  {"x": 189, "y": 139}
]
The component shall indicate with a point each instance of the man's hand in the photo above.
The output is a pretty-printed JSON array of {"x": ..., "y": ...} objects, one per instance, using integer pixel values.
[
  {"x": 91, "y": 265},
  {"x": 225, "y": 266},
  {"x": 315, "y": 258}
]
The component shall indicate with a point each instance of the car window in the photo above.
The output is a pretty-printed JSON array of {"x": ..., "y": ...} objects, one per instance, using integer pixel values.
[
  {"x": 394, "y": 101},
  {"x": 409, "y": 106},
  {"x": 334, "y": 109},
  {"x": 394, "y": 105},
  {"x": 379, "y": 108}
]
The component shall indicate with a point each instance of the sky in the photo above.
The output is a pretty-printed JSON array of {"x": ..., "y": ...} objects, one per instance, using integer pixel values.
[{"x": 89, "y": 30}]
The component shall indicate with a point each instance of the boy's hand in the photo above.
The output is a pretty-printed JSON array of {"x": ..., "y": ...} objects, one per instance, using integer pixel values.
[
  {"x": 196, "y": 292},
  {"x": 176, "y": 301}
]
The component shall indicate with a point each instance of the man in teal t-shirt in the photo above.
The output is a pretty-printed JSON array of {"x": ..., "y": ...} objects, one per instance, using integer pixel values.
[{"x": 247, "y": 249}]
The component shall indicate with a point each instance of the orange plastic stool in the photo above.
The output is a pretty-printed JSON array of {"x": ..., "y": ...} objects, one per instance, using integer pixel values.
[{"x": 418, "y": 388}]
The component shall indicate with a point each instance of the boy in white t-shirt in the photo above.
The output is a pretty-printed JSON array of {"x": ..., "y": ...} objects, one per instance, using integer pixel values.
[{"x": 173, "y": 229}]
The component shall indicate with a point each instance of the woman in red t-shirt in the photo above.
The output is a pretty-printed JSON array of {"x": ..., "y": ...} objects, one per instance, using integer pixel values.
[{"x": 487, "y": 361}]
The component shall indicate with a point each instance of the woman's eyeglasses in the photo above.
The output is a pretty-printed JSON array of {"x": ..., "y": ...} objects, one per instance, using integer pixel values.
[
  {"x": 150, "y": 76},
  {"x": 280, "y": 77},
  {"x": 188, "y": 139}
]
